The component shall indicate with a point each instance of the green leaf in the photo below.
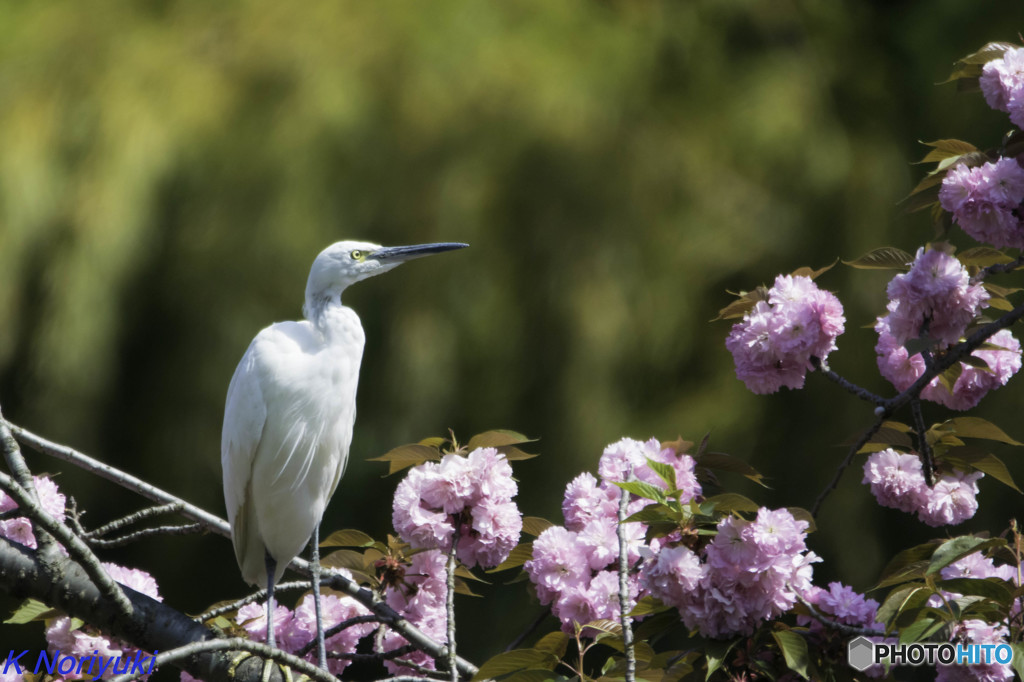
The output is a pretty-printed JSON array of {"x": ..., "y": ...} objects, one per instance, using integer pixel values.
[
  {"x": 464, "y": 572},
  {"x": 404, "y": 456},
  {"x": 497, "y": 438},
  {"x": 513, "y": 661},
  {"x": 535, "y": 525},
  {"x": 990, "y": 588},
  {"x": 1000, "y": 291},
  {"x": 647, "y": 606},
  {"x": 504, "y": 441},
  {"x": 606, "y": 627},
  {"x": 666, "y": 472},
  {"x": 654, "y": 513},
  {"x": 462, "y": 587},
  {"x": 957, "y": 548},
  {"x": 741, "y": 306},
  {"x": 920, "y": 629},
  {"x": 948, "y": 378},
  {"x": 554, "y": 642},
  {"x": 716, "y": 650},
  {"x": 811, "y": 273},
  {"x": 534, "y": 675},
  {"x": 728, "y": 503},
  {"x": 522, "y": 553},
  {"x": 642, "y": 489},
  {"x": 909, "y": 564},
  {"x": 892, "y": 437},
  {"x": 801, "y": 514},
  {"x": 347, "y": 538},
  {"x": 719, "y": 461},
  {"x": 969, "y": 68},
  {"x": 944, "y": 149},
  {"x": 976, "y": 427},
  {"x": 983, "y": 256},
  {"x": 884, "y": 258},
  {"x": 794, "y": 649},
  {"x": 1018, "y": 659},
  {"x": 991, "y": 466},
  {"x": 30, "y": 610},
  {"x": 905, "y": 598},
  {"x": 1000, "y": 303}
]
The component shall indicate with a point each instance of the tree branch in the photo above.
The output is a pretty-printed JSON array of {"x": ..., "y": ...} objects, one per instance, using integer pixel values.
[
  {"x": 331, "y": 578},
  {"x": 152, "y": 626}
]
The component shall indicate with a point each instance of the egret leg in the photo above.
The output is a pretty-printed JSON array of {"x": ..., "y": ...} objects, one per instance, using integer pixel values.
[
  {"x": 321, "y": 646},
  {"x": 271, "y": 569}
]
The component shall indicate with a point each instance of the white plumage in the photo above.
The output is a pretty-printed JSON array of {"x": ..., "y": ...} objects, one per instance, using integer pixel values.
[{"x": 290, "y": 410}]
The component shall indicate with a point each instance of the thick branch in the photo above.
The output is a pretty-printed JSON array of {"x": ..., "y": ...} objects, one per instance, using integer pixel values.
[{"x": 152, "y": 626}]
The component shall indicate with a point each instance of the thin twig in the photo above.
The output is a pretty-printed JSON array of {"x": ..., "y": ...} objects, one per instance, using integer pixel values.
[
  {"x": 854, "y": 449},
  {"x": 255, "y": 596},
  {"x": 142, "y": 533},
  {"x": 385, "y": 656},
  {"x": 923, "y": 449},
  {"x": 76, "y": 547},
  {"x": 453, "y": 670},
  {"x": 134, "y": 517},
  {"x": 422, "y": 669},
  {"x": 331, "y": 632},
  {"x": 845, "y": 384},
  {"x": 624, "y": 619},
  {"x": 237, "y": 643}
]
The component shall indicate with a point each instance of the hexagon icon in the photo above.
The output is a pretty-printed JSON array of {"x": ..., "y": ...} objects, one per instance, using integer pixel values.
[{"x": 860, "y": 653}]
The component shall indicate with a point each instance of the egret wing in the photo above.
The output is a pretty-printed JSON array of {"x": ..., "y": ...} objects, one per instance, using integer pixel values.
[{"x": 245, "y": 414}]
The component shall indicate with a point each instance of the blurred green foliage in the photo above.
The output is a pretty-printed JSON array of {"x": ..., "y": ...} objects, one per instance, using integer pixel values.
[{"x": 168, "y": 171}]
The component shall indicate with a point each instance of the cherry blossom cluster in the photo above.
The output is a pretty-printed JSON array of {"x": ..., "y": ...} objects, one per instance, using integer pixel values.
[
  {"x": 977, "y": 631},
  {"x": 421, "y": 598},
  {"x": 897, "y": 481},
  {"x": 1002, "y": 83},
  {"x": 774, "y": 343},
  {"x": 297, "y": 628},
  {"x": 840, "y": 604},
  {"x": 472, "y": 493},
  {"x": 750, "y": 572},
  {"x": 935, "y": 298},
  {"x": 574, "y": 567},
  {"x": 984, "y": 201}
]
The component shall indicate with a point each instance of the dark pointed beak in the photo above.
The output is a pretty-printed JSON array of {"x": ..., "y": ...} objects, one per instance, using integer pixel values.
[{"x": 400, "y": 254}]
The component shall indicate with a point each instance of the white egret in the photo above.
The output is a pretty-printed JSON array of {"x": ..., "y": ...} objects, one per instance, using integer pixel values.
[{"x": 288, "y": 419}]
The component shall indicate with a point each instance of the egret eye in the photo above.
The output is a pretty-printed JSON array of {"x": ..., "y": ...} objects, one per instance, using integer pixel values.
[{"x": 357, "y": 255}]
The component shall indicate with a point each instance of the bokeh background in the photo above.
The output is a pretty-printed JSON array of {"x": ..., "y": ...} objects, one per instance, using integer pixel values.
[{"x": 168, "y": 171}]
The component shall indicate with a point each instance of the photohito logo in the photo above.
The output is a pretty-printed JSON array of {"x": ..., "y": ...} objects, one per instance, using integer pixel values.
[{"x": 861, "y": 653}]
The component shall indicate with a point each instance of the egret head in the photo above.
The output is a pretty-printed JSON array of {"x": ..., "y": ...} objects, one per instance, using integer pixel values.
[{"x": 344, "y": 263}]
